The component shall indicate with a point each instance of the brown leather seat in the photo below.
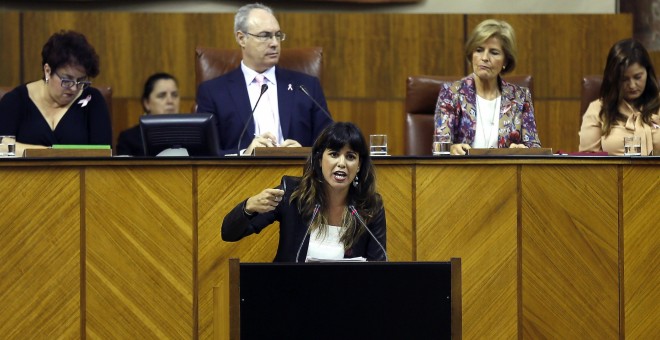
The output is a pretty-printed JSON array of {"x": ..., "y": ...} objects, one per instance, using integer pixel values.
[
  {"x": 590, "y": 92},
  {"x": 421, "y": 98},
  {"x": 214, "y": 62}
]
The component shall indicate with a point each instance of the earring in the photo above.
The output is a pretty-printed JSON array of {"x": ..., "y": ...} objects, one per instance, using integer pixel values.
[
  {"x": 504, "y": 67},
  {"x": 46, "y": 80},
  {"x": 355, "y": 181}
]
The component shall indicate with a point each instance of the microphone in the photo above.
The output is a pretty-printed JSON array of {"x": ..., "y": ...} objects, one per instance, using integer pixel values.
[
  {"x": 304, "y": 90},
  {"x": 264, "y": 87},
  {"x": 316, "y": 211},
  {"x": 355, "y": 213}
]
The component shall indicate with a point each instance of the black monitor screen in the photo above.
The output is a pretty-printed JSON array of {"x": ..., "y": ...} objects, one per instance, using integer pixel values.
[{"x": 194, "y": 132}]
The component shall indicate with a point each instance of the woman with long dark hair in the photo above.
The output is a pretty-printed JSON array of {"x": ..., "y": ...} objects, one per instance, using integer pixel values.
[
  {"x": 332, "y": 212},
  {"x": 628, "y": 104}
]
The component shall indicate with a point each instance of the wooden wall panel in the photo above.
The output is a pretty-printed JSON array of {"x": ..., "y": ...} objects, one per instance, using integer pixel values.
[
  {"x": 570, "y": 274},
  {"x": 40, "y": 253},
  {"x": 558, "y": 124},
  {"x": 641, "y": 244},
  {"x": 140, "y": 256},
  {"x": 470, "y": 212},
  {"x": 374, "y": 117},
  {"x": 370, "y": 55},
  {"x": 10, "y": 49}
]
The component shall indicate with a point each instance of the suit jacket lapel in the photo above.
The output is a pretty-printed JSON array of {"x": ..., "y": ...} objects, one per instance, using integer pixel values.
[
  {"x": 239, "y": 94},
  {"x": 284, "y": 100}
]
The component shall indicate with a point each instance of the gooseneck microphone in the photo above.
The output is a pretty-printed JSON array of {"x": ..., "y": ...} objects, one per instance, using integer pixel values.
[
  {"x": 316, "y": 211},
  {"x": 264, "y": 87},
  {"x": 355, "y": 213},
  {"x": 304, "y": 90}
]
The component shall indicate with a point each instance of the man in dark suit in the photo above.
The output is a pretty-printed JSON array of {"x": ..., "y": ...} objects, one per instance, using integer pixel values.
[{"x": 284, "y": 116}]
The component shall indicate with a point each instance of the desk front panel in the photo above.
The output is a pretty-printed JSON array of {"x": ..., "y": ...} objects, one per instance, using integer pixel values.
[
  {"x": 40, "y": 272},
  {"x": 133, "y": 247},
  {"x": 139, "y": 252}
]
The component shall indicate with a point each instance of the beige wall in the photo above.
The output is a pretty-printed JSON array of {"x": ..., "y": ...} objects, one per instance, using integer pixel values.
[{"x": 425, "y": 6}]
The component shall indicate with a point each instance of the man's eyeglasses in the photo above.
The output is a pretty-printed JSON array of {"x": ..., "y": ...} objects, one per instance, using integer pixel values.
[
  {"x": 69, "y": 83},
  {"x": 266, "y": 36}
]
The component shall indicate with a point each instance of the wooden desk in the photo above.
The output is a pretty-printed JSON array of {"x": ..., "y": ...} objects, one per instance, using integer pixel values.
[{"x": 131, "y": 247}]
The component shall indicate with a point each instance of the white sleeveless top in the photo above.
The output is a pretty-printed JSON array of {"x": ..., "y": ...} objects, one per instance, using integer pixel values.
[{"x": 326, "y": 246}]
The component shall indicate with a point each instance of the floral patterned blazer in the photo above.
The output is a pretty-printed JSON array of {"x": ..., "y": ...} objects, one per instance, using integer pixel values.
[{"x": 456, "y": 114}]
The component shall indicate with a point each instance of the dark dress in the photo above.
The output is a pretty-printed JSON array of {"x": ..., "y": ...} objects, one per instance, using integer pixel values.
[
  {"x": 130, "y": 142},
  {"x": 87, "y": 121},
  {"x": 293, "y": 229}
]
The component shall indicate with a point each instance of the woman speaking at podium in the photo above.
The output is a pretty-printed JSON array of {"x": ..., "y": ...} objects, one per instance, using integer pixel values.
[{"x": 332, "y": 212}]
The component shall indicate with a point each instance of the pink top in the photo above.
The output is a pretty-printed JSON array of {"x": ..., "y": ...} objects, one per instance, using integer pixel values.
[{"x": 592, "y": 137}]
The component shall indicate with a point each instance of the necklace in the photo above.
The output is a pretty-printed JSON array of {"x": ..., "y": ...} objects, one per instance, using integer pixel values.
[{"x": 482, "y": 122}]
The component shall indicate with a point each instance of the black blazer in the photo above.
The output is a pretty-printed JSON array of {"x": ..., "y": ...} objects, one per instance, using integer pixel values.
[{"x": 293, "y": 229}]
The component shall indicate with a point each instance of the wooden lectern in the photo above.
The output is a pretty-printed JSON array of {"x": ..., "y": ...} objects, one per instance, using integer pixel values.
[{"x": 339, "y": 300}]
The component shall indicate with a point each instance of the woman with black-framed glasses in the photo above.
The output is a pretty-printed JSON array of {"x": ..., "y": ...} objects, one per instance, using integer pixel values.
[{"x": 62, "y": 107}]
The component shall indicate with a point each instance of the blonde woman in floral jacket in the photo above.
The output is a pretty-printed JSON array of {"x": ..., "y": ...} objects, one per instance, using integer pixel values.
[{"x": 482, "y": 110}]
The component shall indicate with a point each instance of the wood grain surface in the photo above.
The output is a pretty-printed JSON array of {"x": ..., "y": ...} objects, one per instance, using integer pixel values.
[
  {"x": 40, "y": 253},
  {"x": 570, "y": 274}
]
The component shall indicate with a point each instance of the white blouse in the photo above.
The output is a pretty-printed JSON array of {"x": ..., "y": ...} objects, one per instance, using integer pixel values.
[{"x": 326, "y": 246}]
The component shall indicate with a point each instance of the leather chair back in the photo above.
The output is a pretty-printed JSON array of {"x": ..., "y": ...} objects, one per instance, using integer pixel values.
[
  {"x": 421, "y": 99},
  {"x": 590, "y": 92},
  {"x": 3, "y": 91},
  {"x": 214, "y": 62}
]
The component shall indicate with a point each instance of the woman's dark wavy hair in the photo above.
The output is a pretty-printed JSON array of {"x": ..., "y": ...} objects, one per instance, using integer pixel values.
[
  {"x": 151, "y": 83},
  {"x": 364, "y": 197},
  {"x": 622, "y": 55},
  {"x": 70, "y": 48}
]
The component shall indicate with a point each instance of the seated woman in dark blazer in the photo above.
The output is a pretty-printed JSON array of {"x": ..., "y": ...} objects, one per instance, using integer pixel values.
[
  {"x": 60, "y": 108},
  {"x": 332, "y": 212},
  {"x": 160, "y": 95}
]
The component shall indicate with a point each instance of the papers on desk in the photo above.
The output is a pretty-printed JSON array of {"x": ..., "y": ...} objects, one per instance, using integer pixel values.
[{"x": 350, "y": 259}]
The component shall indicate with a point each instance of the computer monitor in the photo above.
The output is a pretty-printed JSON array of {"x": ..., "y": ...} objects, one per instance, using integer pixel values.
[{"x": 185, "y": 134}]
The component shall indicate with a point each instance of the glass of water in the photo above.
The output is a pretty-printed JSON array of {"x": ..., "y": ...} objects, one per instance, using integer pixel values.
[
  {"x": 378, "y": 145},
  {"x": 7, "y": 146},
  {"x": 441, "y": 144},
  {"x": 632, "y": 146}
]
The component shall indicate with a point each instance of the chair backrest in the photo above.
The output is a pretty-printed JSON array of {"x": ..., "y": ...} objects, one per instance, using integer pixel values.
[
  {"x": 590, "y": 92},
  {"x": 214, "y": 62},
  {"x": 421, "y": 99},
  {"x": 3, "y": 91}
]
